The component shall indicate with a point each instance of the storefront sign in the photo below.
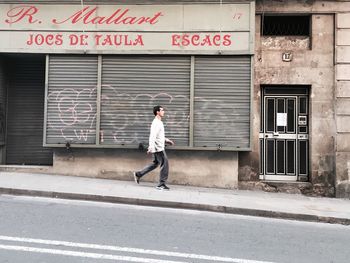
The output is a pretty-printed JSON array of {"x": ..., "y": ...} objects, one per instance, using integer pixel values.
[{"x": 170, "y": 29}]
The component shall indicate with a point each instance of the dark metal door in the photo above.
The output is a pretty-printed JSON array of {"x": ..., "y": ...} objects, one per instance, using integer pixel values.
[{"x": 284, "y": 138}]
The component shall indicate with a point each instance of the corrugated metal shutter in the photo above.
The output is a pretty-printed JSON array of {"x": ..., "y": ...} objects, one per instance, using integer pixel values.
[
  {"x": 71, "y": 101},
  {"x": 26, "y": 112},
  {"x": 2, "y": 103},
  {"x": 222, "y": 101},
  {"x": 132, "y": 86}
]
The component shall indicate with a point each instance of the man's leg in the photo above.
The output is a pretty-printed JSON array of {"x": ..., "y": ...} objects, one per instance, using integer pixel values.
[
  {"x": 164, "y": 167},
  {"x": 149, "y": 167}
]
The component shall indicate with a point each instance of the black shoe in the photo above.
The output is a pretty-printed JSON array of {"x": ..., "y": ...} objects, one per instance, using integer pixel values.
[
  {"x": 162, "y": 187},
  {"x": 136, "y": 178}
]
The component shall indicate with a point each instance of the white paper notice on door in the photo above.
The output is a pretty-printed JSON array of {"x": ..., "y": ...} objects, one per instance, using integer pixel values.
[{"x": 281, "y": 119}]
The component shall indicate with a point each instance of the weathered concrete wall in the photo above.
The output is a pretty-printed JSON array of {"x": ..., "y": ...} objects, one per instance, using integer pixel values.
[
  {"x": 201, "y": 168},
  {"x": 343, "y": 104},
  {"x": 312, "y": 64}
]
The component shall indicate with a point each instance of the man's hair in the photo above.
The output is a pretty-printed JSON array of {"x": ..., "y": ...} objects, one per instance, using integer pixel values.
[{"x": 156, "y": 109}]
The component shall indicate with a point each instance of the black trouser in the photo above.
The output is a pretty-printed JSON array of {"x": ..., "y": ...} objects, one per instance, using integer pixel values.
[{"x": 158, "y": 158}]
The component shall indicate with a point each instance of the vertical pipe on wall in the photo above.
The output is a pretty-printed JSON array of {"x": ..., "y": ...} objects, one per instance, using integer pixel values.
[
  {"x": 98, "y": 98},
  {"x": 251, "y": 134},
  {"x": 46, "y": 96},
  {"x": 192, "y": 101}
]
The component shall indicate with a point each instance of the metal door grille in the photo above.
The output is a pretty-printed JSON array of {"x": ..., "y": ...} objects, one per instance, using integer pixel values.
[{"x": 284, "y": 140}]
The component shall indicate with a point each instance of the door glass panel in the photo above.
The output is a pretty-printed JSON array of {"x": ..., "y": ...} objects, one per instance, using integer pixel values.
[
  {"x": 262, "y": 116},
  {"x": 291, "y": 115},
  {"x": 270, "y": 156},
  {"x": 280, "y": 105},
  {"x": 280, "y": 109},
  {"x": 291, "y": 157},
  {"x": 261, "y": 141},
  {"x": 270, "y": 118},
  {"x": 303, "y": 157},
  {"x": 302, "y": 129},
  {"x": 280, "y": 157},
  {"x": 302, "y": 105}
]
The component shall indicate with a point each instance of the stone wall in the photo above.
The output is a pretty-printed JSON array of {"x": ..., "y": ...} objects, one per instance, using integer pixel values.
[
  {"x": 312, "y": 65},
  {"x": 343, "y": 104}
]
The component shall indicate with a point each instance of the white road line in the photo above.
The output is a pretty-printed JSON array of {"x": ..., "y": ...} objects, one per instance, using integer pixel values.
[
  {"x": 129, "y": 250},
  {"x": 84, "y": 254}
]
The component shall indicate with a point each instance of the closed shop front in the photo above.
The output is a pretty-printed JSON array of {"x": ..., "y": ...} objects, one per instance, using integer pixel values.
[{"x": 106, "y": 66}]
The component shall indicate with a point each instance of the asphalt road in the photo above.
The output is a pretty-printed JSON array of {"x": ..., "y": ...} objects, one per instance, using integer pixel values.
[{"x": 34, "y": 230}]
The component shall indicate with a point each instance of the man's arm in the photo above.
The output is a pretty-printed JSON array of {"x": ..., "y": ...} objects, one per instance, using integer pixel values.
[{"x": 152, "y": 139}]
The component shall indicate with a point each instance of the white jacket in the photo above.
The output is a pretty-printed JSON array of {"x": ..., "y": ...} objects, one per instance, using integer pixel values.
[{"x": 157, "y": 136}]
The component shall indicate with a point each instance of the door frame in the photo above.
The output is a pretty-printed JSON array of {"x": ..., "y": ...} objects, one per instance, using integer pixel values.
[{"x": 286, "y": 91}]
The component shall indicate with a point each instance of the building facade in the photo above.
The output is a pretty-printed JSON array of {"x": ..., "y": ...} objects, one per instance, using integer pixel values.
[
  {"x": 314, "y": 59},
  {"x": 255, "y": 92}
]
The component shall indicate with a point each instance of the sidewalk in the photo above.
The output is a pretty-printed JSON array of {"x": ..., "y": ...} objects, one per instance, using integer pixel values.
[{"x": 254, "y": 203}]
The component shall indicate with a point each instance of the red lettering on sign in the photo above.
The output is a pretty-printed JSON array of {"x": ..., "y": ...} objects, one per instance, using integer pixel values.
[
  {"x": 227, "y": 40},
  {"x": 175, "y": 40},
  {"x": 18, "y": 13},
  {"x": 88, "y": 15},
  {"x": 80, "y": 40},
  {"x": 41, "y": 39},
  {"x": 118, "y": 40},
  {"x": 207, "y": 40},
  {"x": 216, "y": 40},
  {"x": 195, "y": 40}
]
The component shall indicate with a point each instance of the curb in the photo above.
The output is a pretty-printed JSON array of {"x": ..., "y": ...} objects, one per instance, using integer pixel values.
[{"x": 180, "y": 205}]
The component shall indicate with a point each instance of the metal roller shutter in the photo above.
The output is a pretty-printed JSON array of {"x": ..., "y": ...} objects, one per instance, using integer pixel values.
[
  {"x": 132, "y": 86},
  {"x": 222, "y": 101},
  {"x": 26, "y": 112},
  {"x": 71, "y": 99},
  {"x": 2, "y": 103}
]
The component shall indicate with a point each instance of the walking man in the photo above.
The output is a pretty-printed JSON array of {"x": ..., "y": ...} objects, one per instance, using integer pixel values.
[{"x": 156, "y": 147}]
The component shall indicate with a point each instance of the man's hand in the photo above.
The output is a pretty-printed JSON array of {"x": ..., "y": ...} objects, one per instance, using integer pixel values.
[
  {"x": 169, "y": 142},
  {"x": 149, "y": 151}
]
